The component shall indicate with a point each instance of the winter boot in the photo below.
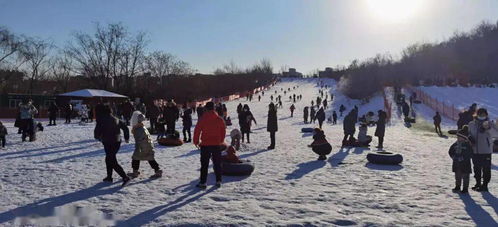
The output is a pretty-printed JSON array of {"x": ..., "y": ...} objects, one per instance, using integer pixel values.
[
  {"x": 270, "y": 147},
  {"x": 477, "y": 186},
  {"x": 107, "y": 179},
  {"x": 483, "y": 188},
  {"x": 456, "y": 189},
  {"x": 126, "y": 181},
  {"x": 464, "y": 191},
  {"x": 218, "y": 184},
  {"x": 135, "y": 174},
  {"x": 157, "y": 174},
  {"x": 201, "y": 185}
]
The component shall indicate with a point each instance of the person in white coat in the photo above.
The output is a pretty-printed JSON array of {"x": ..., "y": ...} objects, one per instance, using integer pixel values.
[{"x": 482, "y": 133}]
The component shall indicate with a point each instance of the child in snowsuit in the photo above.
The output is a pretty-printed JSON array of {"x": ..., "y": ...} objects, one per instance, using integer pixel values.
[
  {"x": 3, "y": 133},
  {"x": 230, "y": 156},
  {"x": 236, "y": 135},
  {"x": 364, "y": 139},
  {"x": 144, "y": 148},
  {"x": 320, "y": 145},
  {"x": 461, "y": 153}
]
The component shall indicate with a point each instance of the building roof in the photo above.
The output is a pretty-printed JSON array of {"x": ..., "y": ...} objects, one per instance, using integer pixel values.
[{"x": 90, "y": 93}]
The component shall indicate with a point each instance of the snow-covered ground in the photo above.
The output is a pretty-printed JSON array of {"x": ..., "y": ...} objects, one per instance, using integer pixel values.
[
  {"x": 65, "y": 166},
  {"x": 463, "y": 97}
]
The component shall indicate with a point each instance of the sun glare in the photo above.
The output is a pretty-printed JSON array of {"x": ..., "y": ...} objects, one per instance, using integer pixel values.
[{"x": 395, "y": 10}]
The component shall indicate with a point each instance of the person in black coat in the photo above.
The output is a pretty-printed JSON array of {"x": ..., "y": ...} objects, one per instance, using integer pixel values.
[
  {"x": 381, "y": 128},
  {"x": 107, "y": 131},
  {"x": 461, "y": 153},
  {"x": 272, "y": 124},
  {"x": 153, "y": 113},
  {"x": 312, "y": 114},
  {"x": 460, "y": 120},
  {"x": 52, "y": 114},
  {"x": 406, "y": 109},
  {"x": 320, "y": 116},
  {"x": 342, "y": 108},
  {"x": 200, "y": 111},
  {"x": 187, "y": 124},
  {"x": 437, "y": 123},
  {"x": 305, "y": 114},
  {"x": 245, "y": 120},
  {"x": 334, "y": 117},
  {"x": 127, "y": 109},
  {"x": 171, "y": 113},
  {"x": 349, "y": 127},
  {"x": 68, "y": 111},
  {"x": 239, "y": 108}
]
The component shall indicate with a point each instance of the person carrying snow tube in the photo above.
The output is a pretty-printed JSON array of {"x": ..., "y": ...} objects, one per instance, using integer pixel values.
[
  {"x": 320, "y": 145},
  {"x": 144, "y": 148},
  {"x": 384, "y": 158}
]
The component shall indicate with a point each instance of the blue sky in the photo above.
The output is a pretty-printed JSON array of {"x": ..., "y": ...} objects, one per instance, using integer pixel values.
[{"x": 306, "y": 34}]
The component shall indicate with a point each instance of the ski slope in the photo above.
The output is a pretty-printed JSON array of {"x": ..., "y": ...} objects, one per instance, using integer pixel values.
[{"x": 62, "y": 172}]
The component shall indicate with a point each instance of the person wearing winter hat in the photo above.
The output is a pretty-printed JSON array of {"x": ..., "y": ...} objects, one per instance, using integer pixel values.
[
  {"x": 320, "y": 145},
  {"x": 209, "y": 134},
  {"x": 144, "y": 147},
  {"x": 461, "y": 153},
  {"x": 235, "y": 135},
  {"x": 482, "y": 131}
]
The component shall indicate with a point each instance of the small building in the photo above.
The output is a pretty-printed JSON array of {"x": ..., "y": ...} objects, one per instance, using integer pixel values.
[
  {"x": 9, "y": 103},
  {"x": 292, "y": 73}
]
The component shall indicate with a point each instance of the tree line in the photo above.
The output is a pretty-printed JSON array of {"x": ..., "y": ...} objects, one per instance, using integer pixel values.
[
  {"x": 115, "y": 59},
  {"x": 465, "y": 59}
]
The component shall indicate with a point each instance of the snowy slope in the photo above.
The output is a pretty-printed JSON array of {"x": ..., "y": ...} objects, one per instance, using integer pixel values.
[
  {"x": 463, "y": 97},
  {"x": 65, "y": 166}
]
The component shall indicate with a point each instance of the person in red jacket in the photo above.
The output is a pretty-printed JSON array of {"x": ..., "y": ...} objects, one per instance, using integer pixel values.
[{"x": 209, "y": 134}]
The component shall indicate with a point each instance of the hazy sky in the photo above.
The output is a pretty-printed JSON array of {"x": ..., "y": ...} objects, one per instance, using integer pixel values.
[{"x": 306, "y": 34}]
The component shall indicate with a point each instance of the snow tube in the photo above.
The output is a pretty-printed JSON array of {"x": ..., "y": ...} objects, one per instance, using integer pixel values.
[
  {"x": 237, "y": 169},
  {"x": 170, "y": 142},
  {"x": 452, "y": 132},
  {"x": 307, "y": 129},
  {"x": 384, "y": 158}
]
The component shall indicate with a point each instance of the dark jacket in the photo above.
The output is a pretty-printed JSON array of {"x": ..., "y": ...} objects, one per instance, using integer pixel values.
[
  {"x": 187, "y": 118},
  {"x": 3, "y": 131},
  {"x": 154, "y": 111},
  {"x": 272, "y": 124},
  {"x": 381, "y": 125},
  {"x": 127, "y": 109},
  {"x": 200, "y": 111},
  {"x": 108, "y": 129},
  {"x": 245, "y": 121},
  {"x": 461, "y": 153},
  {"x": 320, "y": 115},
  {"x": 437, "y": 119},
  {"x": 306, "y": 112},
  {"x": 406, "y": 109},
  {"x": 171, "y": 114},
  {"x": 349, "y": 124},
  {"x": 52, "y": 110}
]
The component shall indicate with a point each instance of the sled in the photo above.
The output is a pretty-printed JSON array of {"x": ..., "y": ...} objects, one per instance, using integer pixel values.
[{"x": 453, "y": 132}]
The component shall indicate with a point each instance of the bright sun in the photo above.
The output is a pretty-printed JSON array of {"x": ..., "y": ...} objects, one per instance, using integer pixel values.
[{"x": 395, "y": 10}]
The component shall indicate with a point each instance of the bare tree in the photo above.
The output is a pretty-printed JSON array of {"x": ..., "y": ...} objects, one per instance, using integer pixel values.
[
  {"x": 36, "y": 52},
  {"x": 61, "y": 70},
  {"x": 10, "y": 47},
  {"x": 230, "y": 68}
]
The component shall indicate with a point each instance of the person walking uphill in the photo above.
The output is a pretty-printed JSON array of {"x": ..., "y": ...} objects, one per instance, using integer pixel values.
[
  {"x": 437, "y": 124},
  {"x": 482, "y": 131},
  {"x": 272, "y": 124},
  {"x": 292, "y": 108},
  {"x": 320, "y": 116},
  {"x": 305, "y": 114},
  {"x": 245, "y": 119},
  {"x": 209, "y": 134},
  {"x": 461, "y": 153},
  {"x": 144, "y": 148},
  {"x": 107, "y": 131}
]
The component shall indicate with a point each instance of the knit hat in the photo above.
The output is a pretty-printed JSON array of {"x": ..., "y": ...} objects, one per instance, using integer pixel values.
[
  {"x": 463, "y": 133},
  {"x": 140, "y": 118}
]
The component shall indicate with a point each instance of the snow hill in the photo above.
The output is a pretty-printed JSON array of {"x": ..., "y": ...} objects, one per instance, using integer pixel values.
[{"x": 60, "y": 174}]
